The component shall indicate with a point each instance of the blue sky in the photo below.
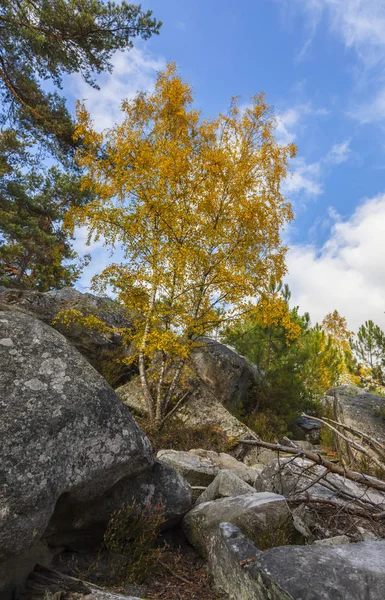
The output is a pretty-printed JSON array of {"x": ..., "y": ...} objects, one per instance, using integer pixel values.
[{"x": 321, "y": 64}]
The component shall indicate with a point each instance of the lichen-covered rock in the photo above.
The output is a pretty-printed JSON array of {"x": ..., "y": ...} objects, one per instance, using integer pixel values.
[
  {"x": 96, "y": 346},
  {"x": 225, "y": 372},
  {"x": 222, "y": 460},
  {"x": 197, "y": 471},
  {"x": 160, "y": 488},
  {"x": 222, "y": 379},
  {"x": 201, "y": 408},
  {"x": 200, "y": 467},
  {"x": 344, "y": 572},
  {"x": 253, "y": 513},
  {"x": 63, "y": 431},
  {"x": 226, "y": 484}
]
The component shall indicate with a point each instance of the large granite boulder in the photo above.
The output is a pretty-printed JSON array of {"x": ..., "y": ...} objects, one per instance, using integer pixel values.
[
  {"x": 361, "y": 410},
  {"x": 228, "y": 375},
  {"x": 338, "y": 572},
  {"x": 67, "y": 439},
  {"x": 98, "y": 347},
  {"x": 255, "y": 514}
]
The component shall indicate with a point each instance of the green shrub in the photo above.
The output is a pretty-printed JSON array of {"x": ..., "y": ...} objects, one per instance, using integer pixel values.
[{"x": 130, "y": 538}]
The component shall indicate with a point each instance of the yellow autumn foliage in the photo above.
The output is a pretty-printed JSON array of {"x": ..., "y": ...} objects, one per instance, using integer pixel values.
[{"x": 196, "y": 205}]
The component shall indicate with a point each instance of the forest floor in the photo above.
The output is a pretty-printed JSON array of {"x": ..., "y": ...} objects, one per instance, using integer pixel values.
[{"x": 180, "y": 575}]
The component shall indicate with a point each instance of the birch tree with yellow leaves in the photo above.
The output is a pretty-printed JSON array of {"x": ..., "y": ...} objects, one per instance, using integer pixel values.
[{"x": 196, "y": 205}]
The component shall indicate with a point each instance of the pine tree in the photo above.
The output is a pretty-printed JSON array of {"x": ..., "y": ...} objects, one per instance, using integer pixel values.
[
  {"x": 42, "y": 40},
  {"x": 34, "y": 250}
]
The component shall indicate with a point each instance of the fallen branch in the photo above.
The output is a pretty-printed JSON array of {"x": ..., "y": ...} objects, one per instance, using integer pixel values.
[
  {"x": 174, "y": 574},
  {"x": 335, "y": 504},
  {"x": 374, "y": 444},
  {"x": 367, "y": 480},
  {"x": 350, "y": 442}
]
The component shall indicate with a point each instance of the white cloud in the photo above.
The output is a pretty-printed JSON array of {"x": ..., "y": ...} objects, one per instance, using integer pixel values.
[
  {"x": 133, "y": 71},
  {"x": 338, "y": 153},
  {"x": 348, "y": 272},
  {"x": 303, "y": 179}
]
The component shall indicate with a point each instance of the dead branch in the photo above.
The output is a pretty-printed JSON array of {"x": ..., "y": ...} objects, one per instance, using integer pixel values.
[
  {"x": 346, "y": 508},
  {"x": 374, "y": 444},
  {"x": 348, "y": 441},
  {"x": 367, "y": 480}
]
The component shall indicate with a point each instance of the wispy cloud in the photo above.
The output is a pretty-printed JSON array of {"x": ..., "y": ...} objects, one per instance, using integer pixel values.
[
  {"x": 338, "y": 153},
  {"x": 360, "y": 24},
  {"x": 305, "y": 178}
]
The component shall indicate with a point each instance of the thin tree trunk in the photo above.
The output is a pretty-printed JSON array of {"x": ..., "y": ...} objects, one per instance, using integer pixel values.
[{"x": 149, "y": 400}]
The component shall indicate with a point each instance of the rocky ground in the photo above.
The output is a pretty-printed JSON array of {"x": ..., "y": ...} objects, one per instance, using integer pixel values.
[{"x": 251, "y": 524}]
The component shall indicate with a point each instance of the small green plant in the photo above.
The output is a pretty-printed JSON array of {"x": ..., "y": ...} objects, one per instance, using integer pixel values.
[{"x": 130, "y": 539}]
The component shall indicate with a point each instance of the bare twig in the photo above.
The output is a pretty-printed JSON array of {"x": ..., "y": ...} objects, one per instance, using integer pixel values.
[
  {"x": 348, "y": 441},
  {"x": 367, "y": 480},
  {"x": 174, "y": 574},
  {"x": 374, "y": 444}
]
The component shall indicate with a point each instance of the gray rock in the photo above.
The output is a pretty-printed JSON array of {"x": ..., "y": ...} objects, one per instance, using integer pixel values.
[
  {"x": 222, "y": 378},
  {"x": 202, "y": 408},
  {"x": 227, "y": 374},
  {"x": 64, "y": 432},
  {"x": 362, "y": 410},
  {"x": 222, "y": 460},
  {"x": 345, "y": 572},
  {"x": 226, "y": 484},
  {"x": 254, "y": 514},
  {"x": 90, "y": 342},
  {"x": 197, "y": 471},
  {"x": 73, "y": 524},
  {"x": 309, "y": 429},
  {"x": 336, "y": 540},
  {"x": 366, "y": 535},
  {"x": 200, "y": 467}
]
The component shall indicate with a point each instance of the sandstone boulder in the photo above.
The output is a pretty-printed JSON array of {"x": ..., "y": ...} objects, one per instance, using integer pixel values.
[
  {"x": 94, "y": 345},
  {"x": 222, "y": 379},
  {"x": 228, "y": 375},
  {"x": 254, "y": 514},
  {"x": 199, "y": 467},
  {"x": 342, "y": 572},
  {"x": 361, "y": 410},
  {"x": 197, "y": 471},
  {"x": 287, "y": 476},
  {"x": 67, "y": 440},
  {"x": 77, "y": 525},
  {"x": 226, "y": 484}
]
